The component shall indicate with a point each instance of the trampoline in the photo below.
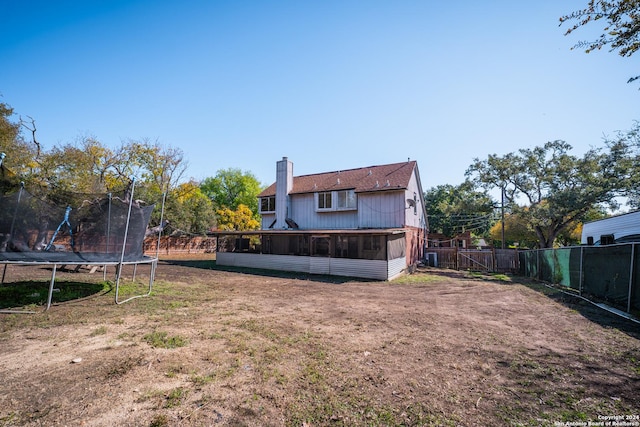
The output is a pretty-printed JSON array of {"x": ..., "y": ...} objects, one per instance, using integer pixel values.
[{"x": 96, "y": 230}]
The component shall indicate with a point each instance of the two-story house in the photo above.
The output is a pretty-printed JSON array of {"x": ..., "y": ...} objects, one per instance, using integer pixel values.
[{"x": 368, "y": 222}]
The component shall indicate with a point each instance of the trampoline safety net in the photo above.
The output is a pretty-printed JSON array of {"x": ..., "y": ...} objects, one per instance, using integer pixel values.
[{"x": 76, "y": 228}]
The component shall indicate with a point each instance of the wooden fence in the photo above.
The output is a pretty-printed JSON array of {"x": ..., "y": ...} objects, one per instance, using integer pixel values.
[
  {"x": 180, "y": 244},
  {"x": 490, "y": 260}
]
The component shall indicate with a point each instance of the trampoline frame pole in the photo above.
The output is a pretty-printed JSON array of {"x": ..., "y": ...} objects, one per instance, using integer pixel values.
[
  {"x": 124, "y": 241},
  {"x": 121, "y": 263},
  {"x": 164, "y": 197},
  {"x": 108, "y": 236},
  {"x": 53, "y": 280}
]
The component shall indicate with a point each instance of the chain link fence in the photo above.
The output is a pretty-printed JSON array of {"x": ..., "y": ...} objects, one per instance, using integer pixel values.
[{"x": 606, "y": 274}]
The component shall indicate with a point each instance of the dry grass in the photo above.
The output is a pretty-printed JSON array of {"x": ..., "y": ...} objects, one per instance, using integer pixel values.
[{"x": 215, "y": 346}]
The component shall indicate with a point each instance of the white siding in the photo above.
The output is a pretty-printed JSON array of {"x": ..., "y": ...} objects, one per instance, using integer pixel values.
[
  {"x": 265, "y": 261},
  {"x": 319, "y": 265},
  {"x": 267, "y": 220},
  {"x": 368, "y": 269},
  {"x": 396, "y": 267},
  {"x": 619, "y": 226},
  {"x": 365, "y": 268},
  {"x": 414, "y": 217},
  {"x": 384, "y": 209},
  {"x": 303, "y": 212}
]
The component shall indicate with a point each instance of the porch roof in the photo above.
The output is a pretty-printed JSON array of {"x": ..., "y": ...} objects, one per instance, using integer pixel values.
[{"x": 360, "y": 231}]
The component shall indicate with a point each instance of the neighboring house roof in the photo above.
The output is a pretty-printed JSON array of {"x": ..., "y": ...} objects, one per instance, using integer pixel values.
[{"x": 395, "y": 176}]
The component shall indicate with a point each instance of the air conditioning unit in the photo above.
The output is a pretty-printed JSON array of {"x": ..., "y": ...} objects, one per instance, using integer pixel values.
[{"x": 432, "y": 259}]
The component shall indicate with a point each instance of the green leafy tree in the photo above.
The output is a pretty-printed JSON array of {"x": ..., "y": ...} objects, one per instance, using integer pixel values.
[
  {"x": 454, "y": 209},
  {"x": 230, "y": 188},
  {"x": 625, "y": 159},
  {"x": 9, "y": 131},
  {"x": 156, "y": 164},
  {"x": 21, "y": 156},
  {"x": 86, "y": 166},
  {"x": 188, "y": 210},
  {"x": 621, "y": 31},
  {"x": 558, "y": 189}
]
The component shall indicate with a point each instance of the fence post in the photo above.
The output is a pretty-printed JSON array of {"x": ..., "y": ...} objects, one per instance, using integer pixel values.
[
  {"x": 633, "y": 256},
  {"x": 581, "y": 274},
  {"x": 456, "y": 257},
  {"x": 494, "y": 261}
]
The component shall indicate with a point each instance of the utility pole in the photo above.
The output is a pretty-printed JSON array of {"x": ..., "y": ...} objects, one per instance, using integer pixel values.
[{"x": 502, "y": 208}]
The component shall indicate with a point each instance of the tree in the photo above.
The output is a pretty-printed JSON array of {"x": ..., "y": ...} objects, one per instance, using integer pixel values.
[
  {"x": 454, "y": 209},
  {"x": 20, "y": 155},
  {"x": 188, "y": 210},
  {"x": 558, "y": 189},
  {"x": 625, "y": 149},
  {"x": 231, "y": 188},
  {"x": 621, "y": 32},
  {"x": 516, "y": 232},
  {"x": 86, "y": 166},
  {"x": 240, "y": 219},
  {"x": 156, "y": 164},
  {"x": 8, "y": 131}
]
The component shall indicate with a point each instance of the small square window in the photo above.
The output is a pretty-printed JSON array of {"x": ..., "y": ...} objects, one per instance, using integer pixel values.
[
  {"x": 268, "y": 204},
  {"x": 324, "y": 200}
]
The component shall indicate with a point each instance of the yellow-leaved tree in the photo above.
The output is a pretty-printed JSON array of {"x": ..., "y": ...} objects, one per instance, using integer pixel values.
[{"x": 241, "y": 219}]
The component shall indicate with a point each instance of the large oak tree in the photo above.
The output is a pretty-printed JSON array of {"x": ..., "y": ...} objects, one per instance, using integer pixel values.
[
  {"x": 621, "y": 31},
  {"x": 551, "y": 189}
]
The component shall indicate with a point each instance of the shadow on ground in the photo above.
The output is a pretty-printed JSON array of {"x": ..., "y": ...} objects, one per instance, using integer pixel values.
[
  {"x": 585, "y": 308},
  {"x": 596, "y": 314},
  {"x": 35, "y": 293},
  {"x": 211, "y": 265}
]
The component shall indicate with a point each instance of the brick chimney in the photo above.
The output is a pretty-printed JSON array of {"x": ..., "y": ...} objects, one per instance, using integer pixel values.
[{"x": 284, "y": 184}]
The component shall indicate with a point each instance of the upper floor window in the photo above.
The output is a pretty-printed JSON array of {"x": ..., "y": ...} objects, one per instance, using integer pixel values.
[
  {"x": 347, "y": 199},
  {"x": 324, "y": 200},
  {"x": 268, "y": 204},
  {"x": 336, "y": 200}
]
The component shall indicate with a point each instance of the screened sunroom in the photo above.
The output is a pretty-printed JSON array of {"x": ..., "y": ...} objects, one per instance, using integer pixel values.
[{"x": 373, "y": 254}]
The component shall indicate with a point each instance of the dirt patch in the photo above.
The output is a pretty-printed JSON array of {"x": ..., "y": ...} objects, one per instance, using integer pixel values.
[{"x": 215, "y": 346}]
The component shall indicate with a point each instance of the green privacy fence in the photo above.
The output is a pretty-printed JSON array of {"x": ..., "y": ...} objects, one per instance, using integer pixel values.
[{"x": 605, "y": 273}]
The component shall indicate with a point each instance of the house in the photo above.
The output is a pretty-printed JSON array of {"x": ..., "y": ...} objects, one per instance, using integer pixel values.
[
  {"x": 622, "y": 228},
  {"x": 439, "y": 240},
  {"x": 368, "y": 222}
]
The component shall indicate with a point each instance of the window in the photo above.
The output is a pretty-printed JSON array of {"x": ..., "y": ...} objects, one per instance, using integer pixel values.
[
  {"x": 607, "y": 239},
  {"x": 268, "y": 204},
  {"x": 347, "y": 199},
  {"x": 320, "y": 246},
  {"x": 373, "y": 247},
  {"x": 372, "y": 243},
  {"x": 336, "y": 200},
  {"x": 324, "y": 200},
  {"x": 346, "y": 247}
]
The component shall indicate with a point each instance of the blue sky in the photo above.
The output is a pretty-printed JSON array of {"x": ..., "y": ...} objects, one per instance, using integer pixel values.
[{"x": 330, "y": 84}]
